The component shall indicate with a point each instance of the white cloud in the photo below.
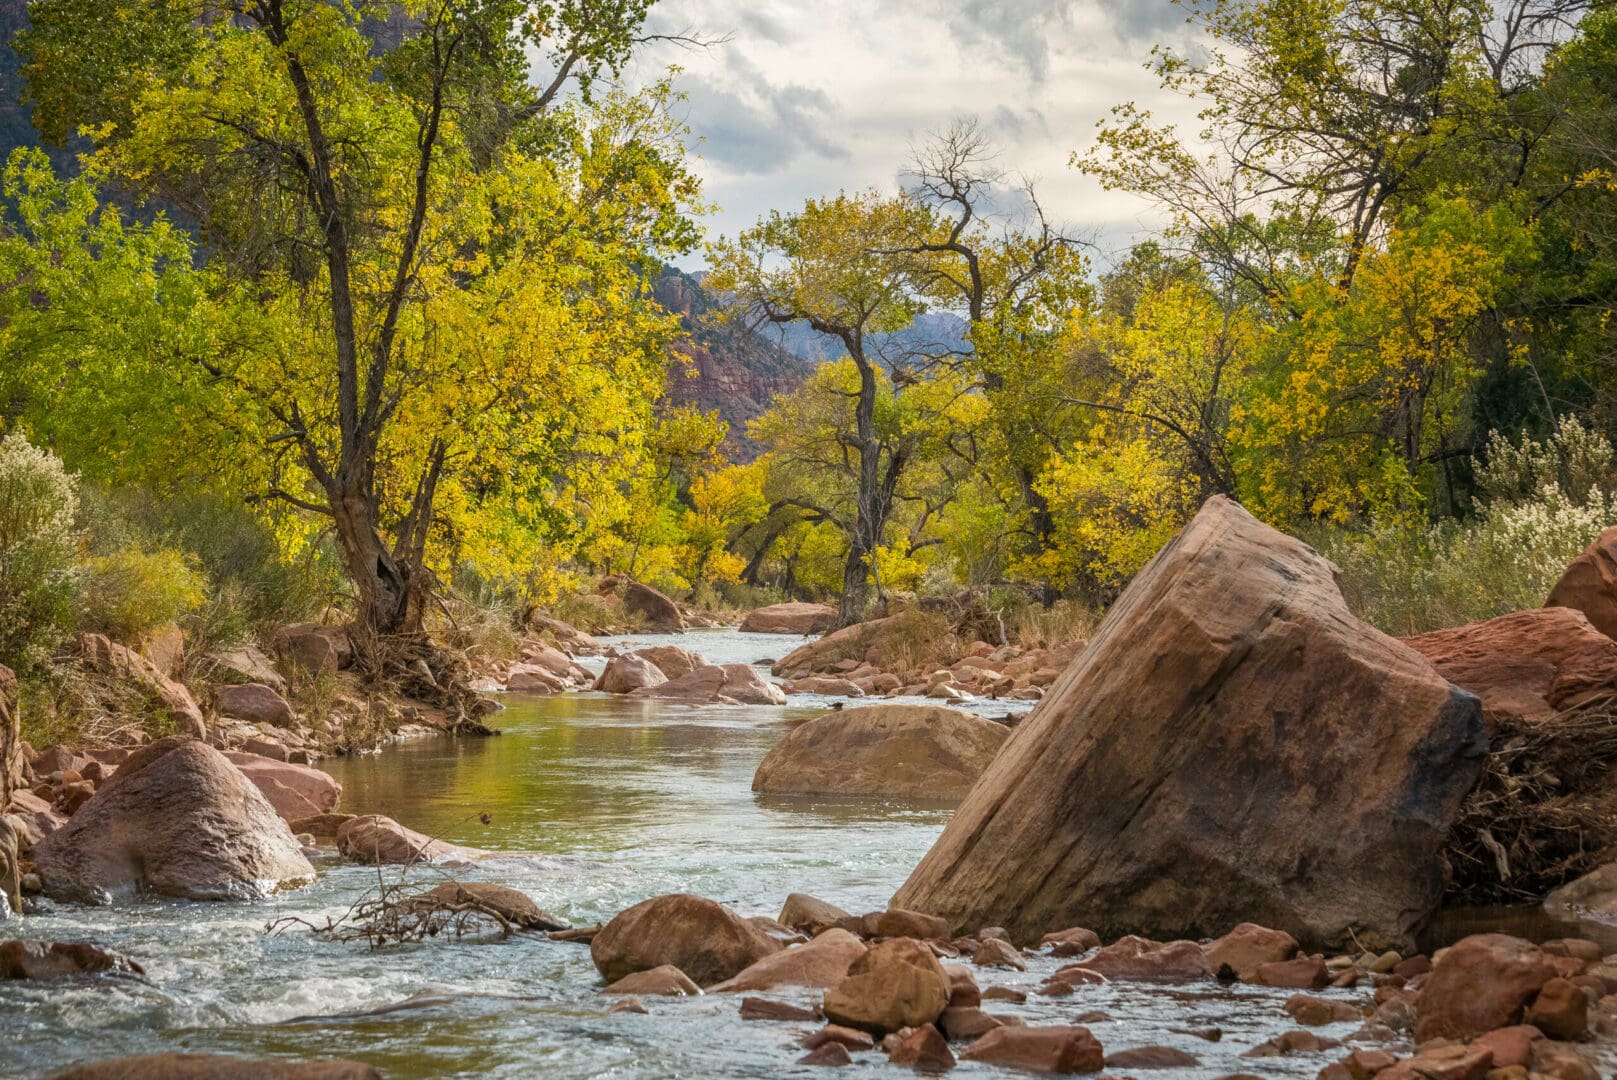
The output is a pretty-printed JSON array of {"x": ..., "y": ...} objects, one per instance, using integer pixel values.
[{"x": 806, "y": 99}]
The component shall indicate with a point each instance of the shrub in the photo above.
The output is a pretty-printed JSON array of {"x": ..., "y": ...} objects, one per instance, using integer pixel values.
[
  {"x": 39, "y": 543},
  {"x": 130, "y": 591}
]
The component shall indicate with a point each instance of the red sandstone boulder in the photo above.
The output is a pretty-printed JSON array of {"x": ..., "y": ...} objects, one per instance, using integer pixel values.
[
  {"x": 1481, "y": 983},
  {"x": 178, "y": 819},
  {"x": 1589, "y": 584},
  {"x": 1039, "y": 1049},
  {"x": 804, "y": 912},
  {"x": 1560, "y": 1011},
  {"x": 1188, "y": 762},
  {"x": 1136, "y": 959},
  {"x": 665, "y": 980},
  {"x": 897, "y": 751},
  {"x": 1528, "y": 665},
  {"x": 743, "y": 683},
  {"x": 707, "y": 941},
  {"x": 516, "y": 908},
  {"x": 896, "y": 984},
  {"x": 657, "y": 612},
  {"x": 1443, "y": 1063},
  {"x": 296, "y": 791},
  {"x": 791, "y": 618},
  {"x": 164, "y": 695},
  {"x": 216, "y": 1067},
  {"x": 253, "y": 703},
  {"x": 1302, "y": 973},
  {"x": 1248, "y": 946},
  {"x": 625, "y": 674},
  {"x": 699, "y": 685},
  {"x": 924, "y": 1049},
  {"x": 820, "y": 963},
  {"x": 533, "y": 679},
  {"x": 672, "y": 660}
]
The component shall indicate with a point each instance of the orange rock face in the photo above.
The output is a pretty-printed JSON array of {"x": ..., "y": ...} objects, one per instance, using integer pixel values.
[{"x": 1590, "y": 584}]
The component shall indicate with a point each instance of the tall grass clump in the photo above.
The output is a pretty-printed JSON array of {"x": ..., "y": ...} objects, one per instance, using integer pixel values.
[{"x": 40, "y": 572}]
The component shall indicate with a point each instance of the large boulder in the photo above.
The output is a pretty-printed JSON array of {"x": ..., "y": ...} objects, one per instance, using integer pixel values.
[
  {"x": 657, "y": 612},
  {"x": 1232, "y": 745},
  {"x": 295, "y": 791},
  {"x": 702, "y": 684},
  {"x": 377, "y": 840},
  {"x": 216, "y": 1067},
  {"x": 253, "y": 703},
  {"x": 824, "y": 654},
  {"x": 165, "y": 697},
  {"x": 899, "y": 751},
  {"x": 1526, "y": 666},
  {"x": 1589, "y": 584},
  {"x": 743, "y": 683},
  {"x": 626, "y": 674},
  {"x": 793, "y": 618},
  {"x": 179, "y": 819},
  {"x": 706, "y": 940}
]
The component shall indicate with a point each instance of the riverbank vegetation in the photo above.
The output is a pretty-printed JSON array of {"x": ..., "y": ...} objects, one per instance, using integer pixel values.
[{"x": 330, "y": 327}]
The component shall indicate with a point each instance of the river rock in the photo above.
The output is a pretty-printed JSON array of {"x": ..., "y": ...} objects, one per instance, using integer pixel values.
[
  {"x": 1247, "y": 947},
  {"x": 377, "y": 840},
  {"x": 179, "y": 819},
  {"x": 707, "y": 941},
  {"x": 896, "y": 984},
  {"x": 1187, "y": 763},
  {"x": 699, "y": 685},
  {"x": 1527, "y": 666},
  {"x": 1480, "y": 983},
  {"x": 672, "y": 660},
  {"x": 848, "y": 643},
  {"x": 1589, "y": 584},
  {"x": 296, "y": 791},
  {"x": 825, "y": 686},
  {"x": 1136, "y": 959},
  {"x": 1039, "y": 1049},
  {"x": 557, "y": 663},
  {"x": 515, "y": 907},
  {"x": 533, "y": 679},
  {"x": 791, "y": 618},
  {"x": 1560, "y": 1011},
  {"x": 1151, "y": 1057},
  {"x": 1594, "y": 894},
  {"x": 743, "y": 683},
  {"x": 658, "y": 613},
  {"x": 21, "y": 959},
  {"x": 665, "y": 980},
  {"x": 897, "y": 751},
  {"x": 254, "y": 703},
  {"x": 315, "y": 649},
  {"x": 245, "y": 664},
  {"x": 216, "y": 1067},
  {"x": 804, "y": 912},
  {"x": 924, "y": 1049},
  {"x": 164, "y": 695},
  {"x": 820, "y": 963},
  {"x": 628, "y": 673}
]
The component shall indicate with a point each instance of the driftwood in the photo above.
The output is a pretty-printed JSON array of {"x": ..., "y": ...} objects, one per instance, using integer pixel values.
[{"x": 1544, "y": 811}]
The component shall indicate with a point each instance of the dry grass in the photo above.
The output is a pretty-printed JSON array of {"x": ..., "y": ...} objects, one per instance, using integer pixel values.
[{"x": 1541, "y": 814}]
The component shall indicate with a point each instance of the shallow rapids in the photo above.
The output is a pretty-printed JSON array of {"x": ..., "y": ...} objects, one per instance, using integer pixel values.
[{"x": 609, "y": 801}]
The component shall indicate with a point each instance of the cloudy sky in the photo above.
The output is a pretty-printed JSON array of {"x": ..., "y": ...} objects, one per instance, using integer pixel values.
[{"x": 810, "y": 96}]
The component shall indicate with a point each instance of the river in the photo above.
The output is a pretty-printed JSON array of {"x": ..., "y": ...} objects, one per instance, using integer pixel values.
[{"x": 610, "y": 801}]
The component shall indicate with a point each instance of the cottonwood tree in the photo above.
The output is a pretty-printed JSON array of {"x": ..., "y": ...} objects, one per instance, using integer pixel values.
[
  {"x": 843, "y": 266},
  {"x": 444, "y": 248}
]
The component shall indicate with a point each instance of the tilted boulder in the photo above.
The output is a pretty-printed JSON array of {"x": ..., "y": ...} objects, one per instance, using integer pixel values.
[
  {"x": 743, "y": 683},
  {"x": 179, "y": 819},
  {"x": 1231, "y": 745},
  {"x": 898, "y": 751},
  {"x": 657, "y": 611},
  {"x": 1526, "y": 666},
  {"x": 1589, "y": 584},
  {"x": 821, "y": 963},
  {"x": 706, "y": 940},
  {"x": 791, "y": 618},
  {"x": 164, "y": 696}
]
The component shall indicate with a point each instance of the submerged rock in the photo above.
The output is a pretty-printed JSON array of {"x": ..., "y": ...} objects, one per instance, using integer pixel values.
[
  {"x": 791, "y": 618},
  {"x": 179, "y": 819},
  {"x": 898, "y": 751},
  {"x": 216, "y": 1067},
  {"x": 1229, "y": 723},
  {"x": 374, "y": 839},
  {"x": 516, "y": 908},
  {"x": 61, "y": 959},
  {"x": 706, "y": 940}
]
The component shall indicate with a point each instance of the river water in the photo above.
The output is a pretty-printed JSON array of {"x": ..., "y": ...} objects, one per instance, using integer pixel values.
[{"x": 604, "y": 801}]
